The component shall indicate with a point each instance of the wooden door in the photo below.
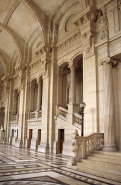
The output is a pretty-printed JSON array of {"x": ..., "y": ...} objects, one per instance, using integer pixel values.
[
  {"x": 39, "y": 136},
  {"x": 17, "y": 133},
  {"x": 30, "y": 135},
  {"x": 12, "y": 132},
  {"x": 61, "y": 139}
]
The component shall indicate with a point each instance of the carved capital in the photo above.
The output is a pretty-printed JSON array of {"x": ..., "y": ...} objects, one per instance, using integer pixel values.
[
  {"x": 119, "y": 4},
  {"x": 108, "y": 60},
  {"x": 43, "y": 48},
  {"x": 72, "y": 65}
]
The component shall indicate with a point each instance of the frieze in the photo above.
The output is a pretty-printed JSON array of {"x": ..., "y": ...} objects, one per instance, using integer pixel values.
[{"x": 68, "y": 42}]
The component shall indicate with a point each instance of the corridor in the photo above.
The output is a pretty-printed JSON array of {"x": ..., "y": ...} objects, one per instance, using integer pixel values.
[{"x": 25, "y": 166}]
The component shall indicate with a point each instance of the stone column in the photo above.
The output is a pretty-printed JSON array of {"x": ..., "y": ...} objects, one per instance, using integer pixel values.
[
  {"x": 32, "y": 98},
  {"x": 109, "y": 121},
  {"x": 72, "y": 106},
  {"x": 39, "y": 96},
  {"x": 60, "y": 75},
  {"x": 73, "y": 100}
]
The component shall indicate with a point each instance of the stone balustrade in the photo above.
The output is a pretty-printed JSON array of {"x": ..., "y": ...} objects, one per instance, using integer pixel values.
[
  {"x": 35, "y": 114},
  {"x": 78, "y": 120},
  {"x": 62, "y": 112},
  {"x": 40, "y": 113},
  {"x": 82, "y": 146}
]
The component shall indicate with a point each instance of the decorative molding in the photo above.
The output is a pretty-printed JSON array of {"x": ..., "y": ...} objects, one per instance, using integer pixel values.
[
  {"x": 43, "y": 48},
  {"x": 89, "y": 14},
  {"x": 67, "y": 42}
]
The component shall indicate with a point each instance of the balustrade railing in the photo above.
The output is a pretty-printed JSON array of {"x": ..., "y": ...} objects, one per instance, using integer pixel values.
[
  {"x": 35, "y": 114},
  {"x": 62, "y": 112},
  {"x": 31, "y": 115},
  {"x": 78, "y": 120},
  {"x": 82, "y": 146},
  {"x": 40, "y": 114}
]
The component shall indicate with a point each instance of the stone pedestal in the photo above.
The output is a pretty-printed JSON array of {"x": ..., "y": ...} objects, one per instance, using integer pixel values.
[
  {"x": 19, "y": 143},
  {"x": 34, "y": 143},
  {"x": 44, "y": 147},
  {"x": 27, "y": 145}
]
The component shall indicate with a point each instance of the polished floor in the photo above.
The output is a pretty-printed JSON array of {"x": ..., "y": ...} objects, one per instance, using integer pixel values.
[{"x": 25, "y": 166}]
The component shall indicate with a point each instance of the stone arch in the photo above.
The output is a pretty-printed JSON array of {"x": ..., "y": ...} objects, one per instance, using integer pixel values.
[
  {"x": 13, "y": 38},
  {"x": 2, "y": 59},
  {"x": 63, "y": 63}
]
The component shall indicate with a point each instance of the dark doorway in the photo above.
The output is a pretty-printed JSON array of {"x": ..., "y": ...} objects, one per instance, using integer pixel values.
[
  {"x": 17, "y": 133},
  {"x": 30, "y": 135},
  {"x": 39, "y": 136},
  {"x": 12, "y": 132},
  {"x": 61, "y": 139}
]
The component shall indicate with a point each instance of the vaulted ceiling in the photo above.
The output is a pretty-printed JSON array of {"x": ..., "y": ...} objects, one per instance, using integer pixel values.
[{"x": 21, "y": 20}]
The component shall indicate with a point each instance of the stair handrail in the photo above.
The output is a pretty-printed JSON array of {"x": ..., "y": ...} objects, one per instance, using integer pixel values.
[
  {"x": 62, "y": 112},
  {"x": 78, "y": 120},
  {"x": 82, "y": 146}
]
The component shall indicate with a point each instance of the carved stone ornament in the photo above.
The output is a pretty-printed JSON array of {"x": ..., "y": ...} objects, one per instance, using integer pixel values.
[
  {"x": 103, "y": 21},
  {"x": 119, "y": 4},
  {"x": 108, "y": 60},
  {"x": 43, "y": 66},
  {"x": 87, "y": 44}
]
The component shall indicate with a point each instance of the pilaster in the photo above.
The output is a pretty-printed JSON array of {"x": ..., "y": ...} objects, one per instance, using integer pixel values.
[{"x": 86, "y": 23}]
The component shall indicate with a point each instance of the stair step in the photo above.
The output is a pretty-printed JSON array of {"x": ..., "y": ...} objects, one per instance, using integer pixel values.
[
  {"x": 97, "y": 172},
  {"x": 118, "y": 153},
  {"x": 107, "y": 160},
  {"x": 102, "y": 168},
  {"x": 106, "y": 156},
  {"x": 102, "y": 164}
]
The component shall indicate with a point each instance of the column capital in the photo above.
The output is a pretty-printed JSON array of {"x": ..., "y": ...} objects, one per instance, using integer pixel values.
[
  {"x": 107, "y": 60},
  {"x": 72, "y": 65}
]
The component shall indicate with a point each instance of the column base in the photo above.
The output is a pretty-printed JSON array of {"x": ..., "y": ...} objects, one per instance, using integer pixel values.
[
  {"x": 34, "y": 143},
  {"x": 27, "y": 145},
  {"x": 18, "y": 143},
  {"x": 110, "y": 148},
  {"x": 5, "y": 141},
  {"x": 10, "y": 140},
  {"x": 44, "y": 147}
]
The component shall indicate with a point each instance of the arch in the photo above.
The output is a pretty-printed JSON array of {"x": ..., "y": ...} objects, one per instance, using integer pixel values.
[
  {"x": 77, "y": 56},
  {"x": 63, "y": 63},
  {"x": 15, "y": 38},
  {"x": 64, "y": 10},
  {"x": 10, "y": 11}
]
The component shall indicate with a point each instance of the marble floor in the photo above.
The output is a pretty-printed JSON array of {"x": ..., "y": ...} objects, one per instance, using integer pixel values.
[{"x": 26, "y": 166}]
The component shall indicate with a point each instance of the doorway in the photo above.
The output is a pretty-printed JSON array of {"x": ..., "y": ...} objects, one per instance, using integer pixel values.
[
  {"x": 12, "y": 132},
  {"x": 30, "y": 135},
  {"x": 61, "y": 139},
  {"x": 39, "y": 136}
]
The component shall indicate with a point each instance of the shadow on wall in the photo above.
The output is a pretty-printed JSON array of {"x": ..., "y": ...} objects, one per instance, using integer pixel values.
[
  {"x": 2, "y": 115},
  {"x": 95, "y": 123}
]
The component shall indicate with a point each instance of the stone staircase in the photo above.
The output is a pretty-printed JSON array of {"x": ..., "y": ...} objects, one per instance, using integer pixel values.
[{"x": 102, "y": 164}]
